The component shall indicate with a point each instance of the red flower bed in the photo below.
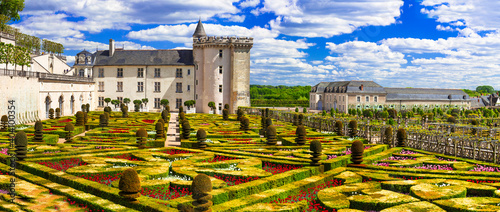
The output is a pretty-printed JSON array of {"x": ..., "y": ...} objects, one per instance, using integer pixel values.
[
  {"x": 49, "y": 129},
  {"x": 165, "y": 193},
  {"x": 102, "y": 178},
  {"x": 149, "y": 121},
  {"x": 81, "y": 205},
  {"x": 120, "y": 128},
  {"x": 228, "y": 132},
  {"x": 218, "y": 158},
  {"x": 278, "y": 168},
  {"x": 176, "y": 151},
  {"x": 239, "y": 139},
  {"x": 117, "y": 131},
  {"x": 65, "y": 120},
  {"x": 315, "y": 138},
  {"x": 6, "y": 173},
  {"x": 30, "y": 134},
  {"x": 98, "y": 139},
  {"x": 310, "y": 195},
  {"x": 63, "y": 165},
  {"x": 124, "y": 156},
  {"x": 247, "y": 142}
]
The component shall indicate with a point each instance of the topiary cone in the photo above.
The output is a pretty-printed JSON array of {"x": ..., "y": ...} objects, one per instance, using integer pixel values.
[
  {"x": 301, "y": 135},
  {"x": 339, "y": 127},
  {"x": 58, "y": 113},
  {"x": 141, "y": 135},
  {"x": 21, "y": 142},
  {"x": 186, "y": 129},
  {"x": 316, "y": 149},
  {"x": 357, "y": 149},
  {"x": 353, "y": 128},
  {"x": 69, "y": 128},
  {"x": 388, "y": 135},
  {"x": 201, "y": 188},
  {"x": 271, "y": 135},
  {"x": 102, "y": 120},
  {"x": 201, "y": 136},
  {"x": 159, "y": 130},
  {"x": 401, "y": 136},
  {"x": 38, "y": 132},
  {"x": 225, "y": 114},
  {"x": 51, "y": 113},
  {"x": 130, "y": 185},
  {"x": 301, "y": 119}
]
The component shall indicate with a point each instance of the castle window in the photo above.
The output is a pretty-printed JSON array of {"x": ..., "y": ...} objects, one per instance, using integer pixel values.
[
  {"x": 220, "y": 69},
  {"x": 220, "y": 53},
  {"x": 101, "y": 73},
  {"x": 119, "y": 72},
  {"x": 157, "y": 72},
  {"x": 178, "y": 87},
  {"x": 178, "y": 73},
  {"x": 220, "y": 88},
  {"x": 101, "y": 87},
  {"x": 101, "y": 101},
  {"x": 196, "y": 82},
  {"x": 157, "y": 86},
  {"x": 178, "y": 102},
  {"x": 375, "y": 98},
  {"x": 119, "y": 86},
  {"x": 140, "y": 72},
  {"x": 189, "y": 71},
  {"x": 157, "y": 103},
  {"x": 196, "y": 96},
  {"x": 189, "y": 87},
  {"x": 358, "y": 99},
  {"x": 367, "y": 99},
  {"x": 140, "y": 86},
  {"x": 81, "y": 73}
]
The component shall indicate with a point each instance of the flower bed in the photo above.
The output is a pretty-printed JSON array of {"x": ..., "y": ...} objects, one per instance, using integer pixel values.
[
  {"x": 105, "y": 179},
  {"x": 63, "y": 165},
  {"x": 278, "y": 168},
  {"x": 177, "y": 151},
  {"x": 218, "y": 158},
  {"x": 125, "y": 156},
  {"x": 165, "y": 193}
]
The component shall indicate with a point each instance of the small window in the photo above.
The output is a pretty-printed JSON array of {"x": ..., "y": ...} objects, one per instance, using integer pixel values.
[
  {"x": 119, "y": 72},
  {"x": 189, "y": 71},
  {"x": 157, "y": 86},
  {"x": 157, "y": 72},
  {"x": 178, "y": 103},
  {"x": 220, "y": 69},
  {"x": 196, "y": 82},
  {"x": 178, "y": 87},
  {"x": 140, "y": 72},
  {"x": 101, "y": 73},
  {"x": 220, "y": 88},
  {"x": 157, "y": 103},
  {"x": 101, "y": 101},
  {"x": 101, "y": 87},
  {"x": 220, "y": 53},
  {"x": 367, "y": 99},
  {"x": 358, "y": 99},
  {"x": 119, "y": 86},
  {"x": 189, "y": 87},
  {"x": 140, "y": 86},
  {"x": 375, "y": 99},
  {"x": 178, "y": 73},
  {"x": 196, "y": 96}
]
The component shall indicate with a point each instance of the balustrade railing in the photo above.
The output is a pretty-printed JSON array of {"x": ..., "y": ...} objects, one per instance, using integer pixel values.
[{"x": 44, "y": 76}]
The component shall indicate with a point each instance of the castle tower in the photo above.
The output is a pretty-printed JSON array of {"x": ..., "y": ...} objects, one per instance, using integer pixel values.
[{"x": 222, "y": 71}]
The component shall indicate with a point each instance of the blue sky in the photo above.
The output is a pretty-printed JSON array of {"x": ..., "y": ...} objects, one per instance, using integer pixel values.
[{"x": 426, "y": 43}]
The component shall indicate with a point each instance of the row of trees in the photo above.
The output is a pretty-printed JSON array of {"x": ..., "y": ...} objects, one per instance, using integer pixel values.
[
  {"x": 138, "y": 102},
  {"x": 16, "y": 55},
  {"x": 33, "y": 44}
]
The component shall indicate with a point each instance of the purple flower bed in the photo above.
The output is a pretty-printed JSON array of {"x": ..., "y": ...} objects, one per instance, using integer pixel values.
[
  {"x": 407, "y": 152},
  {"x": 481, "y": 168},
  {"x": 434, "y": 167},
  {"x": 400, "y": 158}
]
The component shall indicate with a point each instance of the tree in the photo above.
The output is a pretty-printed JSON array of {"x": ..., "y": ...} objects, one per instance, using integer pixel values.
[
  {"x": 115, "y": 102},
  {"x": 145, "y": 101},
  {"x": 9, "y": 10},
  {"x": 164, "y": 102},
  {"x": 107, "y": 100},
  {"x": 189, "y": 103},
  {"x": 485, "y": 89},
  {"x": 211, "y": 105},
  {"x": 126, "y": 101},
  {"x": 137, "y": 104}
]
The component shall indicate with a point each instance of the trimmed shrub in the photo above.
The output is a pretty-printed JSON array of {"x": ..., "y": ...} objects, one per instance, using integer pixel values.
[
  {"x": 38, "y": 132},
  {"x": 240, "y": 114},
  {"x": 316, "y": 149},
  {"x": 58, "y": 113},
  {"x": 201, "y": 137},
  {"x": 182, "y": 117},
  {"x": 357, "y": 150},
  {"x": 181, "y": 109},
  {"x": 201, "y": 188},
  {"x": 164, "y": 115},
  {"x": 186, "y": 129},
  {"x": 159, "y": 130},
  {"x": 51, "y": 113},
  {"x": 130, "y": 185},
  {"x": 271, "y": 135},
  {"x": 452, "y": 119},
  {"x": 124, "y": 110},
  {"x": 301, "y": 135},
  {"x": 226, "y": 106},
  {"x": 304, "y": 110},
  {"x": 87, "y": 107},
  {"x": 69, "y": 128},
  {"x": 85, "y": 118},
  {"x": 301, "y": 119},
  {"x": 102, "y": 121},
  {"x": 142, "y": 136},
  {"x": 21, "y": 142},
  {"x": 225, "y": 114},
  {"x": 296, "y": 109},
  {"x": 339, "y": 128},
  {"x": 79, "y": 118},
  {"x": 388, "y": 135},
  {"x": 353, "y": 128},
  {"x": 401, "y": 135},
  {"x": 295, "y": 120},
  {"x": 244, "y": 124}
]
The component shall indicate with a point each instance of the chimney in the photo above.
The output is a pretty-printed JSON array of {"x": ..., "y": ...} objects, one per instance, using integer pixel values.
[
  {"x": 361, "y": 87},
  {"x": 111, "y": 47}
]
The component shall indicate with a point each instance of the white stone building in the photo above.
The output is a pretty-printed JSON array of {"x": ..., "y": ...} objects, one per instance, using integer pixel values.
[{"x": 216, "y": 69}]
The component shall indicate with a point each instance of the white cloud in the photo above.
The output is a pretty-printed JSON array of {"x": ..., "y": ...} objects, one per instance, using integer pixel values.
[
  {"x": 249, "y": 3},
  {"x": 444, "y": 28},
  {"x": 478, "y": 14},
  {"x": 329, "y": 18}
]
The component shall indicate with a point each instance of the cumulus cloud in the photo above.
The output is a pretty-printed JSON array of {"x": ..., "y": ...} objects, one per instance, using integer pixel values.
[
  {"x": 249, "y": 3},
  {"x": 328, "y": 18}
]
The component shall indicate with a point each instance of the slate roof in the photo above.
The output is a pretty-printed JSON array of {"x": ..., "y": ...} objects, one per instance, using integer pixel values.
[
  {"x": 200, "y": 31},
  {"x": 433, "y": 94},
  {"x": 144, "y": 57},
  {"x": 351, "y": 87}
]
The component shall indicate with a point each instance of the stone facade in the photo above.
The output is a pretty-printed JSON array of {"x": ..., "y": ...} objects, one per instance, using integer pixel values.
[{"x": 370, "y": 95}]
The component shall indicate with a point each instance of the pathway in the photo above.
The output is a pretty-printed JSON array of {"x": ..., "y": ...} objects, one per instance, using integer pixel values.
[{"x": 173, "y": 138}]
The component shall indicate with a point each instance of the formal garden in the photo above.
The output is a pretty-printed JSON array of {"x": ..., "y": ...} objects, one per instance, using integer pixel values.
[{"x": 255, "y": 160}]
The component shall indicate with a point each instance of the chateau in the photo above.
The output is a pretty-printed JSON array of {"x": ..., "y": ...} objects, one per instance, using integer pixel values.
[
  {"x": 344, "y": 95},
  {"x": 217, "y": 70}
]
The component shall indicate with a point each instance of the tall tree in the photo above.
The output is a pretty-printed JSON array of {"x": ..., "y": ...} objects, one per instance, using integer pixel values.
[
  {"x": 485, "y": 89},
  {"x": 9, "y": 10}
]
